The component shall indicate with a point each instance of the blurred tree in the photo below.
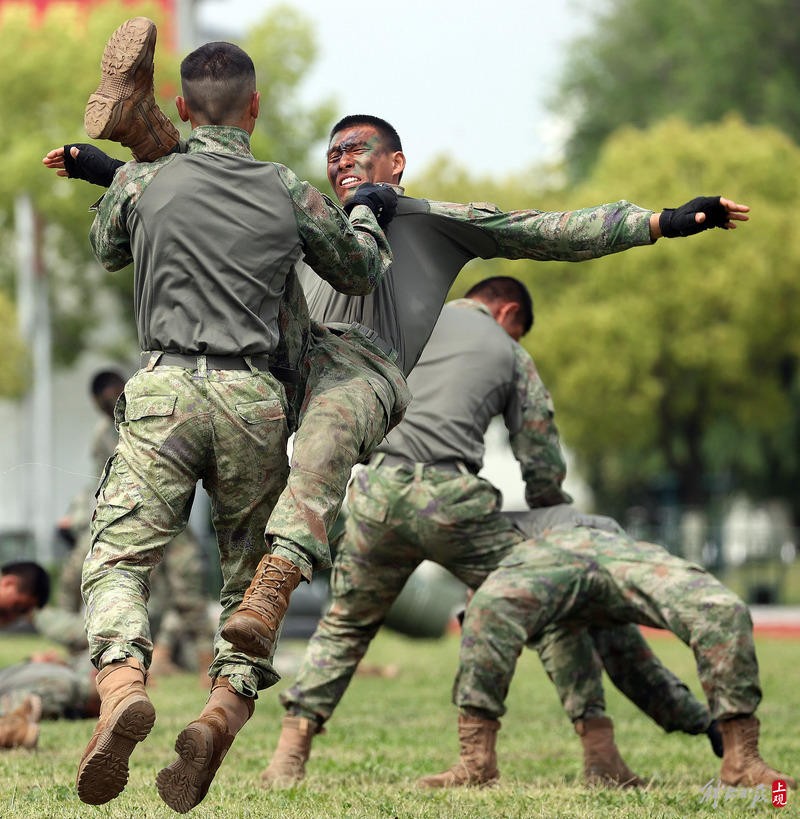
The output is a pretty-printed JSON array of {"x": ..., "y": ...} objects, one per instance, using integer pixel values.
[
  {"x": 13, "y": 372},
  {"x": 284, "y": 48},
  {"x": 644, "y": 60},
  {"x": 670, "y": 365},
  {"x": 50, "y": 65},
  {"x": 673, "y": 359}
]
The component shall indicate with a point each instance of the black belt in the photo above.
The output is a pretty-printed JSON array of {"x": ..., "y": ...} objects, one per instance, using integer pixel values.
[
  {"x": 190, "y": 361},
  {"x": 458, "y": 467},
  {"x": 339, "y": 328}
]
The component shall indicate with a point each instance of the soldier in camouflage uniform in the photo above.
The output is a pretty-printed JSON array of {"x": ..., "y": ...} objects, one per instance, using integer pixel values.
[
  {"x": 178, "y": 607},
  {"x": 205, "y": 405},
  {"x": 431, "y": 242},
  {"x": 105, "y": 388},
  {"x": 45, "y": 687},
  {"x": 420, "y": 498},
  {"x": 575, "y": 573},
  {"x": 24, "y": 586},
  {"x": 66, "y": 691},
  {"x": 374, "y": 341}
]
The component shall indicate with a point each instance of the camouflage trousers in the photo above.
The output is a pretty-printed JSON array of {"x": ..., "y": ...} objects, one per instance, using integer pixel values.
[
  {"x": 178, "y": 604},
  {"x": 64, "y": 691},
  {"x": 398, "y": 517},
  {"x": 177, "y": 426},
  {"x": 583, "y": 576},
  {"x": 574, "y": 658},
  {"x": 354, "y": 396}
]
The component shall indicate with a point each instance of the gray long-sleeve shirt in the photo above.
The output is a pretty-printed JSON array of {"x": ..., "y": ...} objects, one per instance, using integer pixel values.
[
  {"x": 432, "y": 241},
  {"x": 214, "y": 235},
  {"x": 471, "y": 371}
]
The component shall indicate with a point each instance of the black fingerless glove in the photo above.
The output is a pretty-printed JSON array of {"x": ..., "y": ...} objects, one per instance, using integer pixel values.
[
  {"x": 92, "y": 164},
  {"x": 681, "y": 222},
  {"x": 380, "y": 199}
]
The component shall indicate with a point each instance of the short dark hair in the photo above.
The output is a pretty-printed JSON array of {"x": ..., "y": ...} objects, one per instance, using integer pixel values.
[
  {"x": 389, "y": 136},
  {"x": 505, "y": 289},
  {"x": 218, "y": 80},
  {"x": 105, "y": 379},
  {"x": 32, "y": 579}
]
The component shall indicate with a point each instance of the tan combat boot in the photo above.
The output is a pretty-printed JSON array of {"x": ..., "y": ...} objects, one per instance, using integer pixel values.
[
  {"x": 20, "y": 728},
  {"x": 477, "y": 765},
  {"x": 126, "y": 717},
  {"x": 252, "y": 628},
  {"x": 741, "y": 762},
  {"x": 124, "y": 109},
  {"x": 288, "y": 764},
  {"x": 602, "y": 764},
  {"x": 202, "y": 746}
]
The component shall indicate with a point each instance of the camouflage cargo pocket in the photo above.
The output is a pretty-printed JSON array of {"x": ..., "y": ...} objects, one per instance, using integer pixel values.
[
  {"x": 463, "y": 500},
  {"x": 260, "y": 412},
  {"x": 117, "y": 496},
  {"x": 146, "y": 406},
  {"x": 368, "y": 508}
]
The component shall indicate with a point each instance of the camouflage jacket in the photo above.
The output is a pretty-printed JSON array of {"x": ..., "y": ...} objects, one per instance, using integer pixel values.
[
  {"x": 570, "y": 236},
  {"x": 352, "y": 254}
]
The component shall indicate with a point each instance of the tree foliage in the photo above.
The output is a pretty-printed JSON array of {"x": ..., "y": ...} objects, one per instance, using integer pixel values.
[
  {"x": 644, "y": 60},
  {"x": 672, "y": 362},
  {"x": 50, "y": 64},
  {"x": 673, "y": 358},
  {"x": 284, "y": 48}
]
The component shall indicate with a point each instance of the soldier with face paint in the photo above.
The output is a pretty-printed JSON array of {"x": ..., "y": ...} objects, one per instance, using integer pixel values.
[
  {"x": 356, "y": 363},
  {"x": 355, "y": 371}
]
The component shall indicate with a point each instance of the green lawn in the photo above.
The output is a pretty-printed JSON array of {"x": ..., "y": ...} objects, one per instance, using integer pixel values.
[{"x": 388, "y": 732}]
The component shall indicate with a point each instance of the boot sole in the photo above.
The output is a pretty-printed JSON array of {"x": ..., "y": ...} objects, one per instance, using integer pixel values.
[
  {"x": 183, "y": 784},
  {"x": 124, "y": 53},
  {"x": 243, "y": 637},
  {"x": 103, "y": 774}
]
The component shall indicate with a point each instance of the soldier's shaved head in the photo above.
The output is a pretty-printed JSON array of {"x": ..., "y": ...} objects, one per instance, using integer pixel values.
[
  {"x": 218, "y": 82},
  {"x": 499, "y": 290}
]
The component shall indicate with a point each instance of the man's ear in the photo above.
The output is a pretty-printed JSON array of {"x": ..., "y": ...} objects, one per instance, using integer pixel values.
[
  {"x": 398, "y": 163},
  {"x": 508, "y": 310},
  {"x": 183, "y": 109},
  {"x": 255, "y": 104}
]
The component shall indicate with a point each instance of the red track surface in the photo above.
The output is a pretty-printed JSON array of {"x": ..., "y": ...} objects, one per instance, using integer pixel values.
[{"x": 768, "y": 621}]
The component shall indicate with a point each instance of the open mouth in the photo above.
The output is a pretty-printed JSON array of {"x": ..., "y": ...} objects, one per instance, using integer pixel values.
[{"x": 349, "y": 182}]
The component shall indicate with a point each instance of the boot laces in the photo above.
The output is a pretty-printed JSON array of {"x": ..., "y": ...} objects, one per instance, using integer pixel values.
[{"x": 263, "y": 596}]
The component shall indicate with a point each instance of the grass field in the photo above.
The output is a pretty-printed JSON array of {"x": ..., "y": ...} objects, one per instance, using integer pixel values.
[{"x": 388, "y": 732}]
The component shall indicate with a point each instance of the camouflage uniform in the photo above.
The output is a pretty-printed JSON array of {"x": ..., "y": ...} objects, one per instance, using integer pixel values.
[
  {"x": 178, "y": 604},
  {"x": 354, "y": 396},
  {"x": 579, "y": 575},
  {"x": 431, "y": 242},
  {"x": 64, "y": 690},
  {"x": 400, "y": 515},
  {"x": 574, "y": 658},
  {"x": 182, "y": 422}
]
